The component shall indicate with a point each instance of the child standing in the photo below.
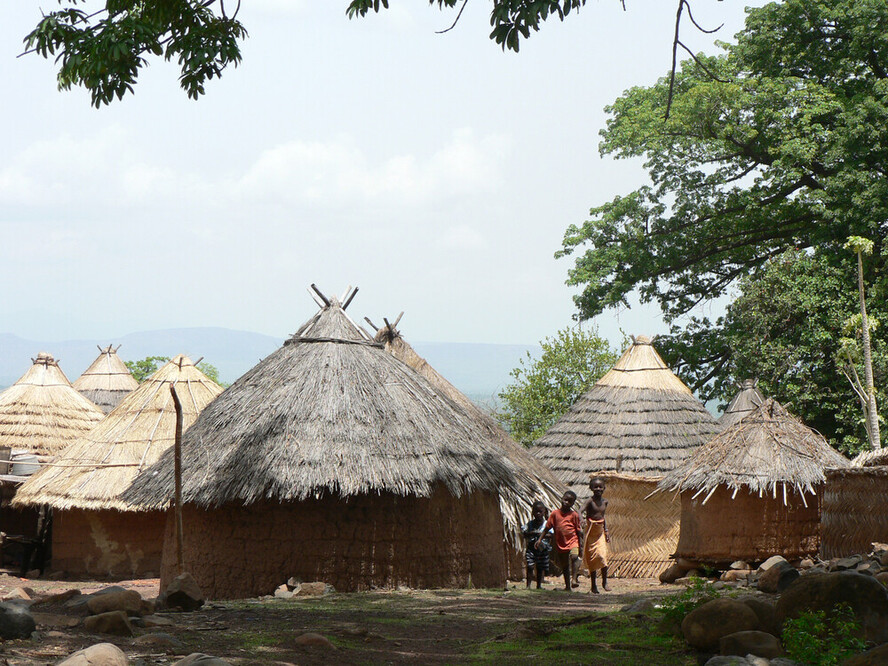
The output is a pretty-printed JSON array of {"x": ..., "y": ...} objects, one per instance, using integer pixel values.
[
  {"x": 597, "y": 537},
  {"x": 565, "y": 522},
  {"x": 535, "y": 532}
]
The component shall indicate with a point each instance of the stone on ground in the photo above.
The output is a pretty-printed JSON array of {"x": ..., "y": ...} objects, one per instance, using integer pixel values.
[
  {"x": 128, "y": 601},
  {"x": 115, "y": 623},
  {"x": 777, "y": 577},
  {"x": 201, "y": 659},
  {"x": 315, "y": 640},
  {"x": 878, "y": 656},
  {"x": 101, "y": 654},
  {"x": 744, "y": 643},
  {"x": 766, "y": 613},
  {"x": 182, "y": 592},
  {"x": 705, "y": 626},
  {"x": 771, "y": 562},
  {"x": 15, "y": 621},
  {"x": 159, "y": 641}
]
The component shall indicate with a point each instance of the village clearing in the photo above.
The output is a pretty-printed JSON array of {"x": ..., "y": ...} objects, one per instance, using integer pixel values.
[{"x": 381, "y": 627}]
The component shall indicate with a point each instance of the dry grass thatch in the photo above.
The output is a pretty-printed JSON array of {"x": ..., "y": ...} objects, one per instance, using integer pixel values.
[
  {"x": 765, "y": 450},
  {"x": 876, "y": 458},
  {"x": 107, "y": 381},
  {"x": 95, "y": 469},
  {"x": 637, "y": 419},
  {"x": 745, "y": 402},
  {"x": 331, "y": 413},
  {"x": 852, "y": 516},
  {"x": 42, "y": 413},
  {"x": 515, "y": 508}
]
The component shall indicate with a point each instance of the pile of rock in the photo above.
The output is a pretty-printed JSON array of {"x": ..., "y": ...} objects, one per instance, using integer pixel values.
[
  {"x": 294, "y": 588},
  {"x": 748, "y": 630}
]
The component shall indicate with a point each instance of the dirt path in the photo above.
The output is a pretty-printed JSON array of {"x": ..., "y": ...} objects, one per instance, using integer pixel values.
[{"x": 436, "y": 626}]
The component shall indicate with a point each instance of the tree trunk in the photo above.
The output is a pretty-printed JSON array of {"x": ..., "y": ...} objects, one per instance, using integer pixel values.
[{"x": 872, "y": 414}]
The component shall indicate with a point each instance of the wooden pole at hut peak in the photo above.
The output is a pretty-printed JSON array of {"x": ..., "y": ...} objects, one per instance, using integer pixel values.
[{"x": 177, "y": 450}]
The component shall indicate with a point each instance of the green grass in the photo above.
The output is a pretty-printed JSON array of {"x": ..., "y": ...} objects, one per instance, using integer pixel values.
[{"x": 600, "y": 638}]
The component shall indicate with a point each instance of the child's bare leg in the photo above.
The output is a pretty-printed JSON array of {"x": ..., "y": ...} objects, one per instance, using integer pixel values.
[
  {"x": 604, "y": 580},
  {"x": 540, "y": 574},
  {"x": 529, "y": 575},
  {"x": 566, "y": 572},
  {"x": 593, "y": 589},
  {"x": 575, "y": 570}
]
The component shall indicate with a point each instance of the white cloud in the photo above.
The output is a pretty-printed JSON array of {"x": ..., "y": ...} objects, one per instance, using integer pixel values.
[{"x": 463, "y": 237}]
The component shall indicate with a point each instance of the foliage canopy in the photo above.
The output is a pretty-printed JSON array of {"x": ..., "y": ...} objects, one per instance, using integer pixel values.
[{"x": 145, "y": 367}]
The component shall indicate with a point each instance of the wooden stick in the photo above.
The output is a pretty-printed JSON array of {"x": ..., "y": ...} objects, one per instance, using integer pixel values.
[
  {"x": 320, "y": 295},
  {"x": 399, "y": 318},
  {"x": 180, "y": 532},
  {"x": 349, "y": 299}
]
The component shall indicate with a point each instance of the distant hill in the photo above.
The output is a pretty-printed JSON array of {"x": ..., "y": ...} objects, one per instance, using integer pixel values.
[{"x": 478, "y": 370}]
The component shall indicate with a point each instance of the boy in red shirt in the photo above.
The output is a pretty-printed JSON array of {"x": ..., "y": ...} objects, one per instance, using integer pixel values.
[{"x": 568, "y": 538}]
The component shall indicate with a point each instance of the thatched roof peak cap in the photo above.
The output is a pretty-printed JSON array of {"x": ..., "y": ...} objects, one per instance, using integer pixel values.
[
  {"x": 641, "y": 366},
  {"x": 748, "y": 384},
  {"x": 44, "y": 358},
  {"x": 331, "y": 324},
  {"x": 642, "y": 340},
  {"x": 765, "y": 448}
]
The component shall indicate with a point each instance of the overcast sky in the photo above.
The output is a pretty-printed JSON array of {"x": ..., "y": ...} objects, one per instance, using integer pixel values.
[{"x": 435, "y": 172}]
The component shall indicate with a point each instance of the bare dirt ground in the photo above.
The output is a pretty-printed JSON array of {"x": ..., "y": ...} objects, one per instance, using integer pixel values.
[{"x": 405, "y": 626}]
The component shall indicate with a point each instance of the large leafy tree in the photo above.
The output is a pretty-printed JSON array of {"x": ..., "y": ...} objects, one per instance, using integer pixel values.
[
  {"x": 789, "y": 327},
  {"x": 780, "y": 142},
  {"x": 544, "y": 388},
  {"x": 143, "y": 368}
]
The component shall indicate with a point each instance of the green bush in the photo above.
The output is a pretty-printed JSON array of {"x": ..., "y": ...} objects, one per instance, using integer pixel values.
[
  {"x": 676, "y": 606},
  {"x": 817, "y": 639}
]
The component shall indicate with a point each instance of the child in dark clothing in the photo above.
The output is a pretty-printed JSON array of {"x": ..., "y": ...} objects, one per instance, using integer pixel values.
[{"x": 535, "y": 532}]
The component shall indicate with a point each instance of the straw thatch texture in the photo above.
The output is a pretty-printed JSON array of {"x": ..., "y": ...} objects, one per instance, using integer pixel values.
[
  {"x": 853, "y": 515},
  {"x": 745, "y": 402},
  {"x": 638, "y": 419},
  {"x": 515, "y": 508},
  {"x": 42, "y": 413},
  {"x": 876, "y": 458},
  {"x": 107, "y": 381},
  {"x": 769, "y": 451},
  {"x": 643, "y": 528},
  {"x": 330, "y": 413},
  {"x": 97, "y": 467}
]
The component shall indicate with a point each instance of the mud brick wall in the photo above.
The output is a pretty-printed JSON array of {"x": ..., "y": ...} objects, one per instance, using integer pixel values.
[
  {"x": 367, "y": 541},
  {"x": 107, "y": 544},
  {"x": 748, "y": 527}
]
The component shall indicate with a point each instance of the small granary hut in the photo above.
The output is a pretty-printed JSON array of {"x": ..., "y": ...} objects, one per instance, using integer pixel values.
[
  {"x": 745, "y": 402},
  {"x": 515, "y": 509},
  {"x": 754, "y": 490},
  {"x": 107, "y": 381},
  {"x": 853, "y": 517},
  {"x": 94, "y": 532},
  {"x": 378, "y": 477},
  {"x": 633, "y": 426},
  {"x": 40, "y": 415}
]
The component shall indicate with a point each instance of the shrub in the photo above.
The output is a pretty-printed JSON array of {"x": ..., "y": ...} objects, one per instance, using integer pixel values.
[
  {"x": 818, "y": 639},
  {"x": 676, "y": 606}
]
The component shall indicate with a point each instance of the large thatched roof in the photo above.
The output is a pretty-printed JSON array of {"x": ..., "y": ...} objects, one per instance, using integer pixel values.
[
  {"x": 42, "y": 413},
  {"x": 767, "y": 449},
  {"x": 515, "y": 508},
  {"x": 746, "y": 401},
  {"x": 330, "y": 413},
  {"x": 96, "y": 468},
  {"x": 107, "y": 380},
  {"x": 637, "y": 419}
]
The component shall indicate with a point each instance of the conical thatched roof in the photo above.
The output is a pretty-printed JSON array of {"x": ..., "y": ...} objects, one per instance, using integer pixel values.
[
  {"x": 42, "y": 413},
  {"x": 95, "y": 469},
  {"x": 107, "y": 380},
  {"x": 877, "y": 458},
  {"x": 637, "y": 419},
  {"x": 745, "y": 402},
  {"x": 330, "y": 413},
  {"x": 515, "y": 509},
  {"x": 767, "y": 449}
]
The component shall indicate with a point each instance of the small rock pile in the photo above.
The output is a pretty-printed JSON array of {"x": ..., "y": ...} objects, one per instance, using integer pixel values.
[{"x": 294, "y": 588}]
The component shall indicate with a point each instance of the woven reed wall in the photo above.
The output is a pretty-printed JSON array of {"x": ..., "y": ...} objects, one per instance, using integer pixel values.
[
  {"x": 748, "y": 527},
  {"x": 853, "y": 511},
  {"x": 371, "y": 540},
  {"x": 108, "y": 544},
  {"x": 644, "y": 532}
]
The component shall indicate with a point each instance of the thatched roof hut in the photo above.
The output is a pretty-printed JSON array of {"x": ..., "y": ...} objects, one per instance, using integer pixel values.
[
  {"x": 42, "y": 413},
  {"x": 766, "y": 472},
  {"x": 107, "y": 380},
  {"x": 850, "y": 519},
  {"x": 746, "y": 401},
  {"x": 385, "y": 479},
  {"x": 515, "y": 508},
  {"x": 635, "y": 424},
  {"x": 90, "y": 533}
]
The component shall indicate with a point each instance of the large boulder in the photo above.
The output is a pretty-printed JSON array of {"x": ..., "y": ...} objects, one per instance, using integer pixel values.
[
  {"x": 759, "y": 643},
  {"x": 128, "y": 601},
  {"x": 878, "y": 656},
  {"x": 766, "y": 613},
  {"x": 777, "y": 577},
  {"x": 866, "y": 596},
  {"x": 115, "y": 623},
  {"x": 101, "y": 654},
  {"x": 182, "y": 592},
  {"x": 16, "y": 621},
  {"x": 707, "y": 624}
]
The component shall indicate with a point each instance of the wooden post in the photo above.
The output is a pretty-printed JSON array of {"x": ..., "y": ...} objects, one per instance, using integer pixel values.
[{"x": 180, "y": 533}]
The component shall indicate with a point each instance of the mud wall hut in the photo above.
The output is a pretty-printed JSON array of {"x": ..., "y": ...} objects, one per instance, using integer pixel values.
[
  {"x": 852, "y": 517},
  {"x": 546, "y": 487},
  {"x": 380, "y": 479},
  {"x": 107, "y": 380},
  {"x": 40, "y": 415},
  {"x": 633, "y": 426},
  {"x": 754, "y": 490},
  {"x": 94, "y": 532}
]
